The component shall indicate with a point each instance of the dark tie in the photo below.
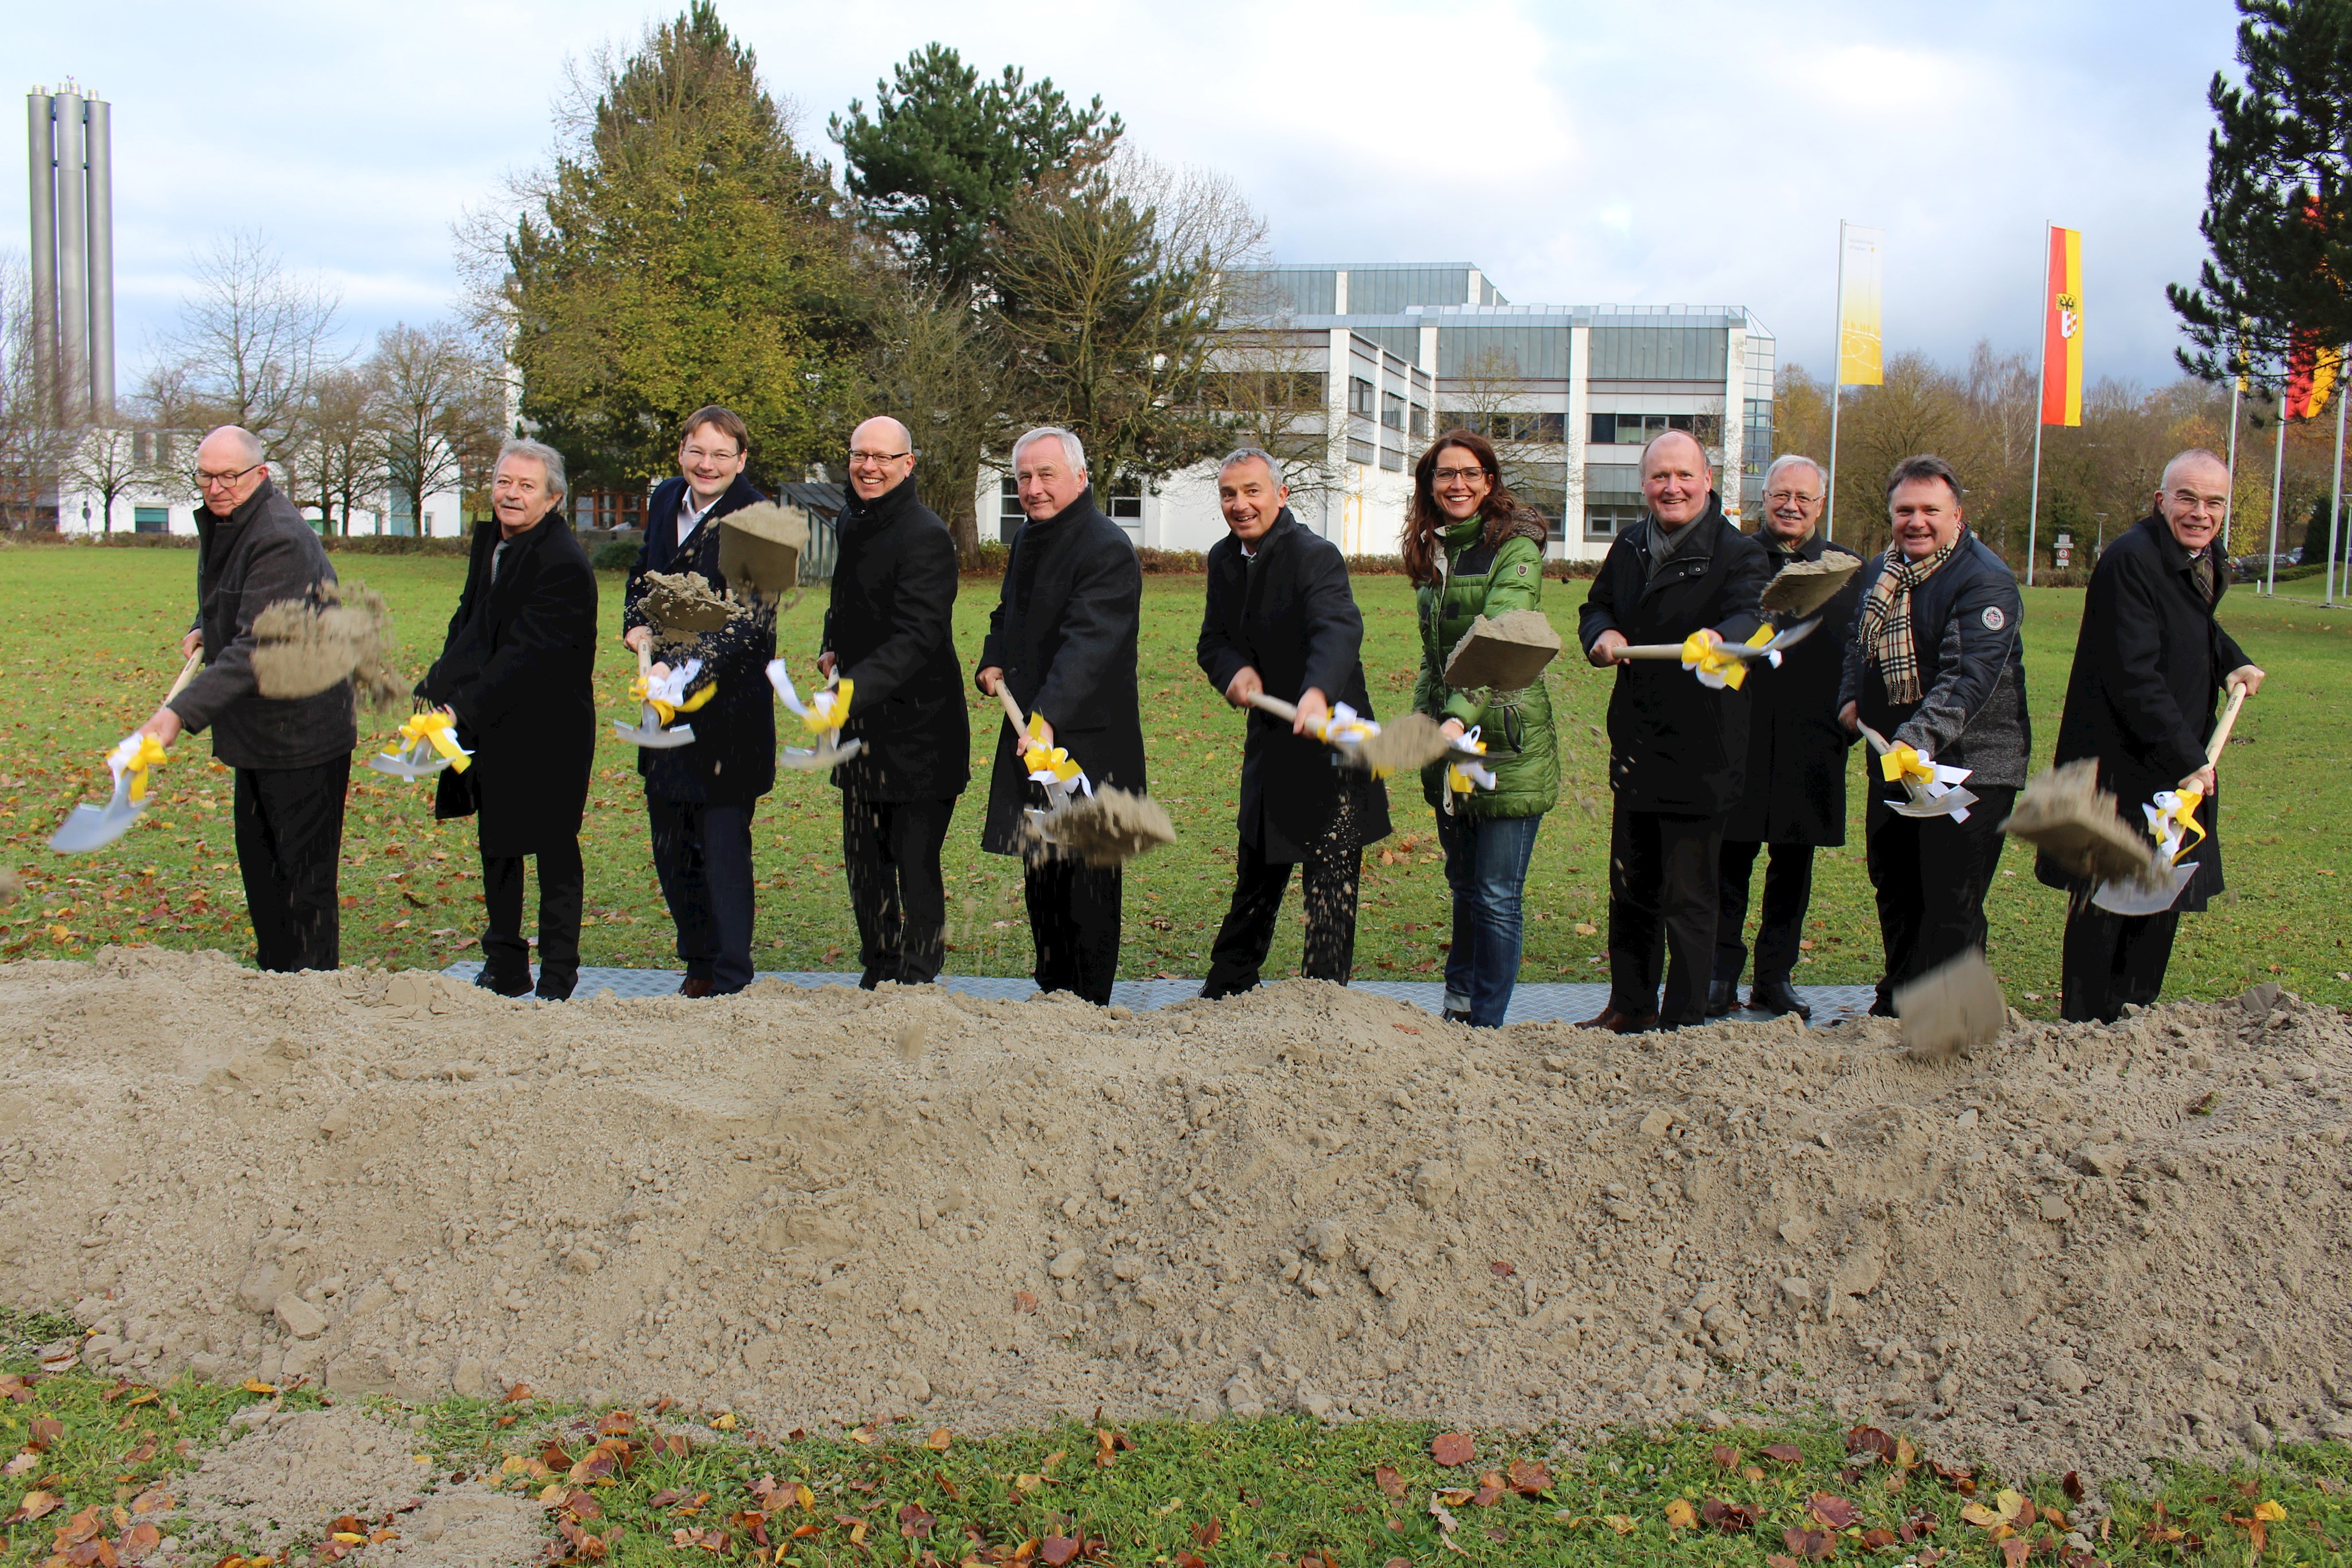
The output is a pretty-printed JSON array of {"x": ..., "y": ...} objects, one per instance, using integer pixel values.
[{"x": 2201, "y": 566}]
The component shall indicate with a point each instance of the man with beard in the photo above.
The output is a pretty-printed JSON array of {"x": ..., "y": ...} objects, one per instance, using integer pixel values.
[
  {"x": 2150, "y": 663},
  {"x": 1280, "y": 619},
  {"x": 1795, "y": 795},
  {"x": 1062, "y": 639},
  {"x": 1937, "y": 668},
  {"x": 888, "y": 638}
]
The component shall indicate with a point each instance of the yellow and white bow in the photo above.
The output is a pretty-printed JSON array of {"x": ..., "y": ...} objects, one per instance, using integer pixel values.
[
  {"x": 1461, "y": 778},
  {"x": 827, "y": 708},
  {"x": 1342, "y": 726},
  {"x": 2172, "y": 818},
  {"x": 667, "y": 697},
  {"x": 134, "y": 754},
  {"x": 1052, "y": 765},
  {"x": 1716, "y": 666},
  {"x": 431, "y": 729},
  {"x": 1907, "y": 766}
]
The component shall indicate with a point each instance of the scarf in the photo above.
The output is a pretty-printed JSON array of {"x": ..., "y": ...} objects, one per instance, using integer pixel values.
[
  {"x": 1884, "y": 629},
  {"x": 2200, "y": 567}
]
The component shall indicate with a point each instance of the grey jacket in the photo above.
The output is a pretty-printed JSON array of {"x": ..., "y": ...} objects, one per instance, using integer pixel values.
[
  {"x": 1965, "y": 624},
  {"x": 256, "y": 557}
]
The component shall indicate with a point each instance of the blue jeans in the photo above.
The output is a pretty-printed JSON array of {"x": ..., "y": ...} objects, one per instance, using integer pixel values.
[{"x": 1486, "y": 866}]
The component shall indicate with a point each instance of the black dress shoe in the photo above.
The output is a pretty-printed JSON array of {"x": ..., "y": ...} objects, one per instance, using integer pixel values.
[
  {"x": 1722, "y": 997},
  {"x": 554, "y": 986},
  {"x": 1776, "y": 997},
  {"x": 694, "y": 985},
  {"x": 505, "y": 984},
  {"x": 1617, "y": 1022}
]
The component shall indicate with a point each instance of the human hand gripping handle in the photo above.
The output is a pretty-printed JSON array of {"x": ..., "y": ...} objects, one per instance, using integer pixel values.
[{"x": 164, "y": 725}]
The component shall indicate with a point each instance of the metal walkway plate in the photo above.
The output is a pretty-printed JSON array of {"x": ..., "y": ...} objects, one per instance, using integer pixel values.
[{"x": 1537, "y": 1002}]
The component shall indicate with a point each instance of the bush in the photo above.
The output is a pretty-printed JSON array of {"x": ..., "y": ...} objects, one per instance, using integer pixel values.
[
  {"x": 614, "y": 555},
  {"x": 393, "y": 544},
  {"x": 138, "y": 541}
]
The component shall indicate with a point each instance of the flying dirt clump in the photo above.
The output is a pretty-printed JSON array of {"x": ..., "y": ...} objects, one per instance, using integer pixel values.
[
  {"x": 2077, "y": 1247},
  {"x": 683, "y": 602},
  {"x": 1107, "y": 828},
  {"x": 303, "y": 647},
  {"x": 2064, "y": 814}
]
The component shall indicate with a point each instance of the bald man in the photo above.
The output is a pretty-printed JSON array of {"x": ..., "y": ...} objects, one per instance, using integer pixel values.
[
  {"x": 887, "y": 640},
  {"x": 291, "y": 755}
]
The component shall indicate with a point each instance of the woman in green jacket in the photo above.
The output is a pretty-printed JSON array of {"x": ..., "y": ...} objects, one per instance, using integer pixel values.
[{"x": 1472, "y": 550}]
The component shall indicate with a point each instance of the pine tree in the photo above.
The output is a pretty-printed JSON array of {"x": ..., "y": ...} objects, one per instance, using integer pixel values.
[{"x": 2278, "y": 215}]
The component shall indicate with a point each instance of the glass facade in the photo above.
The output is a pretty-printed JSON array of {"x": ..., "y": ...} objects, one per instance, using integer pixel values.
[
  {"x": 1529, "y": 352},
  {"x": 1659, "y": 351}
]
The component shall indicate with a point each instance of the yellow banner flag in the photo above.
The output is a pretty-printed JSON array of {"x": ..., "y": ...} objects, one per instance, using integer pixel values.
[{"x": 1861, "y": 273}]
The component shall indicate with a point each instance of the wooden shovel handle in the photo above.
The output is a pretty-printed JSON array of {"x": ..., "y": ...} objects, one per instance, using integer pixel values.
[
  {"x": 1012, "y": 708},
  {"x": 2221, "y": 731},
  {"x": 1286, "y": 712},
  {"x": 646, "y": 660},
  {"x": 188, "y": 673}
]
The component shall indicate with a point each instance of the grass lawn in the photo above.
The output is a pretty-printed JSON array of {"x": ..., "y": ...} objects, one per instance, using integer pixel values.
[
  {"x": 682, "y": 1483},
  {"x": 91, "y": 634}
]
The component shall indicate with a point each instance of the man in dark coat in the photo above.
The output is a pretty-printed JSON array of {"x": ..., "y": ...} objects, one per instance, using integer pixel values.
[
  {"x": 700, "y": 797},
  {"x": 1677, "y": 747},
  {"x": 1795, "y": 798},
  {"x": 1062, "y": 638},
  {"x": 518, "y": 673},
  {"x": 1936, "y": 665},
  {"x": 292, "y": 755},
  {"x": 889, "y": 636},
  {"x": 1281, "y": 620},
  {"x": 2150, "y": 663}
]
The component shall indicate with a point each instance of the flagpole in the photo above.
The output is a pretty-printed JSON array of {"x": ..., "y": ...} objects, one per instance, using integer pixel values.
[
  {"x": 2237, "y": 385},
  {"x": 2335, "y": 499},
  {"x": 1837, "y": 369},
  {"x": 2278, "y": 473},
  {"x": 2040, "y": 379}
]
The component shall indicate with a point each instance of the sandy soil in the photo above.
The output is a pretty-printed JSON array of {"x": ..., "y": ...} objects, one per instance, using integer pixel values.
[{"x": 2077, "y": 1249}]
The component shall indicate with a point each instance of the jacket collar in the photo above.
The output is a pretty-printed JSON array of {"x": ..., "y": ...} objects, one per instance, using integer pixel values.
[
  {"x": 738, "y": 494},
  {"x": 244, "y": 514},
  {"x": 2175, "y": 555},
  {"x": 1081, "y": 505},
  {"x": 883, "y": 508},
  {"x": 1283, "y": 523}
]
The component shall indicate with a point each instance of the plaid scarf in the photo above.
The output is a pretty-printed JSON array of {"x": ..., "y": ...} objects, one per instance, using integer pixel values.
[{"x": 1883, "y": 628}]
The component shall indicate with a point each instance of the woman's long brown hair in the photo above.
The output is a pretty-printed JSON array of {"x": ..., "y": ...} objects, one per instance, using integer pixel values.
[{"x": 1425, "y": 521}]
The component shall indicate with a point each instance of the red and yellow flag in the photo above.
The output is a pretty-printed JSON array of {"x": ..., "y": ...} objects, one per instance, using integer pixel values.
[
  {"x": 2311, "y": 373},
  {"x": 2061, "y": 331}
]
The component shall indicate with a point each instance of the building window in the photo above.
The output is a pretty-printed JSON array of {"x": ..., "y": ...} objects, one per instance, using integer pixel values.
[
  {"x": 1359, "y": 397},
  {"x": 1392, "y": 410},
  {"x": 1125, "y": 505},
  {"x": 1638, "y": 429},
  {"x": 1392, "y": 460},
  {"x": 1421, "y": 421},
  {"x": 1527, "y": 429},
  {"x": 1009, "y": 515},
  {"x": 1608, "y": 522},
  {"x": 151, "y": 520},
  {"x": 1360, "y": 451}
]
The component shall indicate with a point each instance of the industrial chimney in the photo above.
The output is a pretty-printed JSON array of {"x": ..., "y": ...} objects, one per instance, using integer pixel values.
[{"x": 72, "y": 156}]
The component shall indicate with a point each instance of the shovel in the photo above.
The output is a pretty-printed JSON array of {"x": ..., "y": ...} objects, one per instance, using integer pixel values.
[
  {"x": 88, "y": 827},
  {"x": 1399, "y": 747},
  {"x": 432, "y": 745},
  {"x": 648, "y": 731},
  {"x": 2135, "y": 897},
  {"x": 1103, "y": 829},
  {"x": 830, "y": 749},
  {"x": 1919, "y": 801},
  {"x": 1749, "y": 651}
]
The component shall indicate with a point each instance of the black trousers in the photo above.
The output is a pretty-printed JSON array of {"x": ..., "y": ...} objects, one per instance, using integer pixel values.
[
  {"x": 1931, "y": 875},
  {"x": 1788, "y": 890},
  {"x": 1073, "y": 914},
  {"x": 1663, "y": 872},
  {"x": 1329, "y": 881},
  {"x": 506, "y": 954},
  {"x": 702, "y": 852},
  {"x": 891, "y": 850},
  {"x": 290, "y": 844},
  {"x": 2111, "y": 959}
]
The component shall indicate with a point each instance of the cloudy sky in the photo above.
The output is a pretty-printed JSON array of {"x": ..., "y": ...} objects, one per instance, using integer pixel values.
[{"x": 1638, "y": 153}]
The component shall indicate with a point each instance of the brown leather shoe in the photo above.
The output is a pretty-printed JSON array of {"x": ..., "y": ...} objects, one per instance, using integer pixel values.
[
  {"x": 694, "y": 985},
  {"x": 1617, "y": 1022}
]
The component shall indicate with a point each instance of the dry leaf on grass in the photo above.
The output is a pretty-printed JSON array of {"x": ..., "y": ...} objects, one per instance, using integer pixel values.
[{"x": 1452, "y": 1448}]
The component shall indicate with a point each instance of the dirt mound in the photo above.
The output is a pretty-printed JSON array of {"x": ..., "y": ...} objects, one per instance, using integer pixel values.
[{"x": 2075, "y": 1248}]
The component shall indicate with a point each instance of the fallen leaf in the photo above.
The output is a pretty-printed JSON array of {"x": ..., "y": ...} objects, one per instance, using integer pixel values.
[
  {"x": 1751, "y": 1473},
  {"x": 255, "y": 1385},
  {"x": 2271, "y": 1512},
  {"x": 1725, "y": 1456},
  {"x": 1813, "y": 1545},
  {"x": 1784, "y": 1453},
  {"x": 938, "y": 1441},
  {"x": 1681, "y": 1516},
  {"x": 1730, "y": 1517},
  {"x": 1452, "y": 1448},
  {"x": 1024, "y": 1302},
  {"x": 1055, "y": 1551},
  {"x": 1620, "y": 1523},
  {"x": 1880, "y": 1539},
  {"x": 1386, "y": 1478},
  {"x": 1528, "y": 1478},
  {"x": 1206, "y": 1536},
  {"x": 1455, "y": 1497},
  {"x": 2015, "y": 1551},
  {"x": 1830, "y": 1512},
  {"x": 1502, "y": 1270},
  {"x": 26, "y": 1461},
  {"x": 34, "y": 1505},
  {"x": 914, "y": 1521},
  {"x": 1781, "y": 1559},
  {"x": 1872, "y": 1441},
  {"x": 2071, "y": 1485}
]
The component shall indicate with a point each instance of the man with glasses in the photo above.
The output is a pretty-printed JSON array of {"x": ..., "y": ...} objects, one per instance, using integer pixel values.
[
  {"x": 2150, "y": 663},
  {"x": 700, "y": 797},
  {"x": 889, "y": 639},
  {"x": 291, "y": 755},
  {"x": 1795, "y": 794}
]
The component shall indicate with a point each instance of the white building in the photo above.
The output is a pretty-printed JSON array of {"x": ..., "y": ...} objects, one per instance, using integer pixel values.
[
  {"x": 160, "y": 500},
  {"x": 1569, "y": 394}
]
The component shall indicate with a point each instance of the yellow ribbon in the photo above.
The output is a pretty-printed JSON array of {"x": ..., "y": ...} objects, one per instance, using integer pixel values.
[
  {"x": 437, "y": 731},
  {"x": 2182, "y": 813},
  {"x": 1460, "y": 781},
  {"x": 1040, "y": 758},
  {"x": 1707, "y": 658},
  {"x": 1902, "y": 763},
  {"x": 666, "y": 711},
  {"x": 829, "y": 710},
  {"x": 135, "y": 755}
]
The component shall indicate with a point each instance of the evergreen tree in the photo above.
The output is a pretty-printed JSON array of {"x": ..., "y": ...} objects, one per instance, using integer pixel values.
[
  {"x": 682, "y": 251},
  {"x": 2278, "y": 213},
  {"x": 944, "y": 157}
]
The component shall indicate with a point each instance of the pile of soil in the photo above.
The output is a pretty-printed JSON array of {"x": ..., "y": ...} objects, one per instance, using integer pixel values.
[{"x": 2075, "y": 1248}]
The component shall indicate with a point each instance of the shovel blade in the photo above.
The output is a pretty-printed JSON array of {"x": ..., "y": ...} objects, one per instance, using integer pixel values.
[
  {"x": 808, "y": 762},
  {"x": 2138, "y": 898},
  {"x": 1944, "y": 805},
  {"x": 87, "y": 826},
  {"x": 648, "y": 733},
  {"x": 401, "y": 767}
]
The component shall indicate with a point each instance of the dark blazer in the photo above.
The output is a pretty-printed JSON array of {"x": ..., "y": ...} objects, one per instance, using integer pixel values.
[
  {"x": 890, "y": 629},
  {"x": 732, "y": 758},
  {"x": 1674, "y": 744},
  {"x": 2148, "y": 666},
  {"x": 1290, "y": 614},
  {"x": 1965, "y": 629},
  {"x": 1796, "y": 747},
  {"x": 1063, "y": 632},
  {"x": 259, "y": 555},
  {"x": 518, "y": 667}
]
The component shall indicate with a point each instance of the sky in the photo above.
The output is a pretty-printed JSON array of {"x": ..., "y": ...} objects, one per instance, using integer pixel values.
[{"x": 1699, "y": 154}]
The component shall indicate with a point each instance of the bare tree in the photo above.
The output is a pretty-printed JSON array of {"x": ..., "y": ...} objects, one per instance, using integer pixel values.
[
  {"x": 433, "y": 399},
  {"x": 1493, "y": 397},
  {"x": 937, "y": 367},
  {"x": 251, "y": 341},
  {"x": 105, "y": 461},
  {"x": 1266, "y": 390},
  {"x": 345, "y": 447},
  {"x": 34, "y": 442}
]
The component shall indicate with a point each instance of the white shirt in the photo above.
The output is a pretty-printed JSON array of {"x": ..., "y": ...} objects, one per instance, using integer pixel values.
[{"x": 688, "y": 519}]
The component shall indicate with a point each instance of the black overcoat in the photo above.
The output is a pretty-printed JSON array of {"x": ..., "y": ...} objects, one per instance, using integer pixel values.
[
  {"x": 1063, "y": 632},
  {"x": 518, "y": 667},
  {"x": 1795, "y": 792},
  {"x": 890, "y": 629},
  {"x": 732, "y": 758},
  {"x": 1676, "y": 745},
  {"x": 1290, "y": 615},
  {"x": 2148, "y": 665}
]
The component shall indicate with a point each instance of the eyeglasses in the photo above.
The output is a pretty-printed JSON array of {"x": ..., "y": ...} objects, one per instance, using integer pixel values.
[
  {"x": 876, "y": 457},
  {"x": 205, "y": 481},
  {"x": 2197, "y": 503},
  {"x": 1448, "y": 476},
  {"x": 696, "y": 454},
  {"x": 1776, "y": 496}
]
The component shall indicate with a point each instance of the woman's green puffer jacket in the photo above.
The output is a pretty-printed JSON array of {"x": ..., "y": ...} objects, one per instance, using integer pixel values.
[{"x": 1489, "y": 580}]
